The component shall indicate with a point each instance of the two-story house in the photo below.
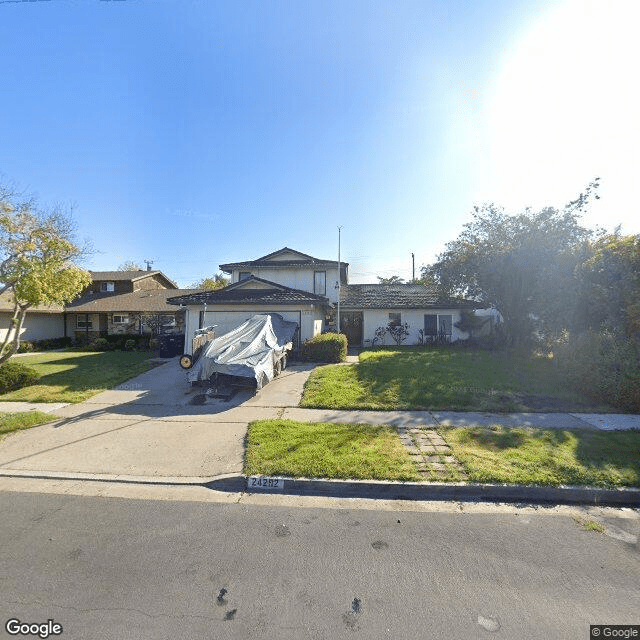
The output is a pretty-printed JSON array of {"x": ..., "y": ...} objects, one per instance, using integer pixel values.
[
  {"x": 304, "y": 289},
  {"x": 299, "y": 287},
  {"x": 121, "y": 301}
]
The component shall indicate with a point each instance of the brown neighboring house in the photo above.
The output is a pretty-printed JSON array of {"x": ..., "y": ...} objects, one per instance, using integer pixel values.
[{"x": 119, "y": 302}]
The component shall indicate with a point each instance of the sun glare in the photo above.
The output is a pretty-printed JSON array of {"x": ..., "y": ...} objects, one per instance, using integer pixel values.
[{"x": 565, "y": 110}]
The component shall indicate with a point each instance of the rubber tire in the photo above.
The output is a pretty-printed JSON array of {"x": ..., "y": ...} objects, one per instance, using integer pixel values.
[
  {"x": 283, "y": 362},
  {"x": 277, "y": 368},
  {"x": 186, "y": 361}
]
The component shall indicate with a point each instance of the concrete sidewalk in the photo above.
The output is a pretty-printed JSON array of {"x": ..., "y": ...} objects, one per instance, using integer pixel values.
[{"x": 157, "y": 428}]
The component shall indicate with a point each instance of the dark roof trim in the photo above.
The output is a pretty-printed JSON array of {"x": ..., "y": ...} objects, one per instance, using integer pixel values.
[
  {"x": 121, "y": 276},
  {"x": 240, "y": 293},
  {"x": 267, "y": 261},
  {"x": 399, "y": 296}
]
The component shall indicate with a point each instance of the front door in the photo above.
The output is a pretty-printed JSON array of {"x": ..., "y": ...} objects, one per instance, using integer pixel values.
[{"x": 351, "y": 325}]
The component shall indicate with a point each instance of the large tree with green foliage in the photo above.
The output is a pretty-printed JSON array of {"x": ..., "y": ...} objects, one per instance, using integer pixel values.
[
  {"x": 523, "y": 265},
  {"x": 38, "y": 252},
  {"x": 611, "y": 285}
]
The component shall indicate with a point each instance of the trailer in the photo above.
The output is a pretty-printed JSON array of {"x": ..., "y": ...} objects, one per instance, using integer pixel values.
[{"x": 249, "y": 356}]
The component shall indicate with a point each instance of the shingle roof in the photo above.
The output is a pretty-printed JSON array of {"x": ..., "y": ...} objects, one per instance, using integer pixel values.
[
  {"x": 152, "y": 300},
  {"x": 305, "y": 260},
  {"x": 118, "y": 276},
  {"x": 242, "y": 293},
  {"x": 397, "y": 296},
  {"x": 6, "y": 304}
]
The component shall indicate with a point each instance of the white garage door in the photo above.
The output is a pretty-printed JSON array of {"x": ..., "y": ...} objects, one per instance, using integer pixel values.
[{"x": 228, "y": 320}]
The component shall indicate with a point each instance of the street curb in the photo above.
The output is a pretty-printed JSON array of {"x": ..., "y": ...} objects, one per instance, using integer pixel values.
[
  {"x": 368, "y": 489},
  {"x": 449, "y": 491}
]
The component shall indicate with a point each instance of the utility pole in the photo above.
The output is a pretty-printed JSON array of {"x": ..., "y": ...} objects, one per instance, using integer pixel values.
[
  {"x": 413, "y": 266},
  {"x": 339, "y": 279}
]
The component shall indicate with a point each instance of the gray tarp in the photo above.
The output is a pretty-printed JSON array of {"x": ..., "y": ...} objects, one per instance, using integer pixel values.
[{"x": 251, "y": 350}]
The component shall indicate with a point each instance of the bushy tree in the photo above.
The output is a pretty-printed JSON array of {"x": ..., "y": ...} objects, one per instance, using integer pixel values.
[
  {"x": 523, "y": 265},
  {"x": 390, "y": 280},
  {"x": 130, "y": 265},
  {"x": 218, "y": 281},
  {"x": 38, "y": 252}
]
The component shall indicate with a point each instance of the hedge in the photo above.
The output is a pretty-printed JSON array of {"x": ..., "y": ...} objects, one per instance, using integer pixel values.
[{"x": 326, "y": 347}]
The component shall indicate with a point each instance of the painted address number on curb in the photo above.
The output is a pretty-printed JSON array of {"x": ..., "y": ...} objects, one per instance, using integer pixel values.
[{"x": 265, "y": 484}]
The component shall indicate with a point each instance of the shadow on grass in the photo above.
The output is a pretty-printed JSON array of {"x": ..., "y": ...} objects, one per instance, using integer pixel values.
[
  {"x": 458, "y": 379},
  {"x": 542, "y": 456}
]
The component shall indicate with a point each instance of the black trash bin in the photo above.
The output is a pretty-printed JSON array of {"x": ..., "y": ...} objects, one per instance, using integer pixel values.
[{"x": 171, "y": 345}]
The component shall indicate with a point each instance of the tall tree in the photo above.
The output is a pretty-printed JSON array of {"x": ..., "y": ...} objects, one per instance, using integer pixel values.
[
  {"x": 523, "y": 265},
  {"x": 218, "y": 281},
  {"x": 130, "y": 265},
  {"x": 38, "y": 252}
]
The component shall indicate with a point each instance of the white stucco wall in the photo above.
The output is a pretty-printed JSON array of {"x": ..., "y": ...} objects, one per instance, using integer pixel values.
[
  {"x": 228, "y": 317},
  {"x": 296, "y": 279},
  {"x": 374, "y": 318},
  {"x": 36, "y": 326}
]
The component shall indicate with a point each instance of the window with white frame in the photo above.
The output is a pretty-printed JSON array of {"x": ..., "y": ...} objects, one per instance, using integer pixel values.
[
  {"x": 84, "y": 322},
  {"x": 120, "y": 319},
  {"x": 107, "y": 286},
  {"x": 445, "y": 325},
  {"x": 395, "y": 319},
  {"x": 320, "y": 283}
]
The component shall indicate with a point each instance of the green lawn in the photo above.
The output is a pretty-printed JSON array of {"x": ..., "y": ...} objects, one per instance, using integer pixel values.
[
  {"x": 15, "y": 421},
  {"x": 547, "y": 457},
  {"x": 444, "y": 378},
  {"x": 326, "y": 450},
  {"x": 74, "y": 376}
]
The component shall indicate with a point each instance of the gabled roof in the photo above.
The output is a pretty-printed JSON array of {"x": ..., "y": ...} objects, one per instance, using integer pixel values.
[
  {"x": 398, "y": 296},
  {"x": 120, "y": 276},
  {"x": 251, "y": 290},
  {"x": 143, "y": 301},
  {"x": 273, "y": 260}
]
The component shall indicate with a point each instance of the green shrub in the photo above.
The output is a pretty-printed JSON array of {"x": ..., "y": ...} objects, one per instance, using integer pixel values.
[
  {"x": 52, "y": 343},
  {"x": 326, "y": 347},
  {"x": 101, "y": 344},
  {"x": 26, "y": 347},
  {"x": 603, "y": 365},
  {"x": 15, "y": 375},
  {"x": 130, "y": 345},
  {"x": 154, "y": 344}
]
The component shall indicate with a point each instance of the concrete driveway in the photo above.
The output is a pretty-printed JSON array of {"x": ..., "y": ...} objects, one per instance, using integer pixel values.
[{"x": 152, "y": 426}]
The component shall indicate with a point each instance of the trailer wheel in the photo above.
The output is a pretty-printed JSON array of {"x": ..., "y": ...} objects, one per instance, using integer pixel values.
[
  {"x": 283, "y": 362},
  {"x": 186, "y": 361},
  {"x": 277, "y": 368}
]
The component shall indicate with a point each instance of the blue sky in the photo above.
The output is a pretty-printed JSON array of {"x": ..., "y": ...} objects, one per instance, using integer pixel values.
[{"x": 195, "y": 132}]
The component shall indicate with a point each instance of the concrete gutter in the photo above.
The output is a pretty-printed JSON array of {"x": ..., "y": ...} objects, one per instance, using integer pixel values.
[{"x": 369, "y": 489}]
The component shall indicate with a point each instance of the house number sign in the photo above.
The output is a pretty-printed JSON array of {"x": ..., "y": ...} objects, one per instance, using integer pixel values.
[{"x": 262, "y": 483}]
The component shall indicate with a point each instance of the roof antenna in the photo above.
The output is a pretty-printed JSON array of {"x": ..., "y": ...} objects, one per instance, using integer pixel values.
[{"x": 148, "y": 263}]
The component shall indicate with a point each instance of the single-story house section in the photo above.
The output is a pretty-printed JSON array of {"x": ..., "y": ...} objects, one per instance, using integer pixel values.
[
  {"x": 228, "y": 307},
  {"x": 101, "y": 314},
  {"x": 366, "y": 307},
  {"x": 40, "y": 323}
]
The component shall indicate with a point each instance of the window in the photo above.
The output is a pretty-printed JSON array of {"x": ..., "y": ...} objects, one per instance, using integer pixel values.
[
  {"x": 83, "y": 323},
  {"x": 395, "y": 320},
  {"x": 120, "y": 319},
  {"x": 320, "y": 283},
  {"x": 430, "y": 325},
  {"x": 245, "y": 274},
  {"x": 107, "y": 286},
  {"x": 445, "y": 325}
]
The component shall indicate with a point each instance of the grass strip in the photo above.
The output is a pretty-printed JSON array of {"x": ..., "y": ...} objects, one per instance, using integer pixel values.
[
  {"x": 10, "y": 422},
  {"x": 547, "y": 457},
  {"x": 75, "y": 376},
  {"x": 326, "y": 450}
]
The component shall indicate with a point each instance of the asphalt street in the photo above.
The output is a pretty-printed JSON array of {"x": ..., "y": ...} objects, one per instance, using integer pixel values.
[{"x": 107, "y": 568}]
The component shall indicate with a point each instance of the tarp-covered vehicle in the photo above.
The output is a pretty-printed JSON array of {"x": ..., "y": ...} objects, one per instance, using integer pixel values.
[{"x": 251, "y": 354}]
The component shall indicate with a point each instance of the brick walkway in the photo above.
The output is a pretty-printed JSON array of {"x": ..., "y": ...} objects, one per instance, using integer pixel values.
[{"x": 431, "y": 454}]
